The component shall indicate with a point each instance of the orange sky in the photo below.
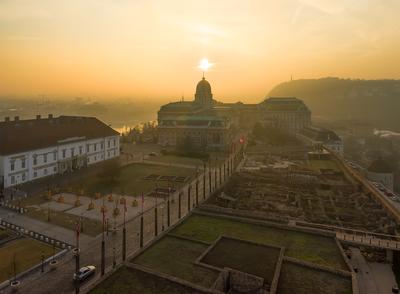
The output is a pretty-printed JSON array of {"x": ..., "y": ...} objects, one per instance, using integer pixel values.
[{"x": 151, "y": 49}]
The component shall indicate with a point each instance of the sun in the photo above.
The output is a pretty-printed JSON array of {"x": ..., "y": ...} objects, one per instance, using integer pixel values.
[{"x": 204, "y": 64}]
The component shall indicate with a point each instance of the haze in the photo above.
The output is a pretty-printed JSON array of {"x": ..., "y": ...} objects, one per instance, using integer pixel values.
[{"x": 116, "y": 49}]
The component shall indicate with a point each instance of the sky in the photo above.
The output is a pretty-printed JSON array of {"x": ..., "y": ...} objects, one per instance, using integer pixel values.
[{"x": 147, "y": 49}]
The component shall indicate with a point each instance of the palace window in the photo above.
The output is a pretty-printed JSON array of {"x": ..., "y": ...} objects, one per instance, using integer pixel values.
[
  {"x": 12, "y": 180},
  {"x": 64, "y": 152},
  {"x": 12, "y": 167},
  {"x": 80, "y": 150},
  {"x": 34, "y": 159},
  {"x": 45, "y": 158},
  {"x": 54, "y": 155},
  {"x": 23, "y": 163}
]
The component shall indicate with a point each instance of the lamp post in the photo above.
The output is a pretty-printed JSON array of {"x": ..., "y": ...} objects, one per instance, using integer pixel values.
[
  {"x": 155, "y": 215},
  {"x": 204, "y": 179},
  {"x": 103, "y": 243}
]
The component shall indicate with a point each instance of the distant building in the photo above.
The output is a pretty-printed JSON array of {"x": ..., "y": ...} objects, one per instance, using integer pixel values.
[
  {"x": 321, "y": 136},
  {"x": 381, "y": 172},
  {"x": 205, "y": 122},
  {"x": 36, "y": 148},
  {"x": 287, "y": 113}
]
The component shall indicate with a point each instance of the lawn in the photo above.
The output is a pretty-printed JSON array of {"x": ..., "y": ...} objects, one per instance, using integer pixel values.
[
  {"x": 243, "y": 256},
  {"x": 216, "y": 158},
  {"x": 304, "y": 280},
  {"x": 323, "y": 164},
  {"x": 128, "y": 280},
  {"x": 3, "y": 234},
  {"x": 28, "y": 252},
  {"x": 131, "y": 179},
  {"x": 175, "y": 257},
  {"x": 308, "y": 247},
  {"x": 172, "y": 159}
]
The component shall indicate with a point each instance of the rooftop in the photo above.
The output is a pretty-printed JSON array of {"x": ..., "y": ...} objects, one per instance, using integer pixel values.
[{"x": 31, "y": 134}]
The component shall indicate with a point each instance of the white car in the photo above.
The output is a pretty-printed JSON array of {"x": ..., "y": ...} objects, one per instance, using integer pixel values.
[{"x": 84, "y": 273}]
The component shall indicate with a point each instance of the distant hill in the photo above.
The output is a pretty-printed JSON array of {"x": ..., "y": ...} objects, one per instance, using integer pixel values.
[{"x": 370, "y": 101}]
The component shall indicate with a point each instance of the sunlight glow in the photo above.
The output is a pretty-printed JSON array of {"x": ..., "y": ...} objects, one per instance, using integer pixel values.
[{"x": 205, "y": 64}]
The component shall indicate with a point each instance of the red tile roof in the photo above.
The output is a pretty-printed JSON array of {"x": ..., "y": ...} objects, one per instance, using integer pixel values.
[{"x": 25, "y": 135}]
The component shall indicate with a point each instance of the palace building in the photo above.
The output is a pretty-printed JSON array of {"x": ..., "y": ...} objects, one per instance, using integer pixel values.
[
  {"x": 36, "y": 148},
  {"x": 205, "y": 122},
  {"x": 210, "y": 124},
  {"x": 288, "y": 113}
]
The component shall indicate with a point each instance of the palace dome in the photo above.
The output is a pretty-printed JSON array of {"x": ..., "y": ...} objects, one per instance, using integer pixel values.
[{"x": 203, "y": 94}]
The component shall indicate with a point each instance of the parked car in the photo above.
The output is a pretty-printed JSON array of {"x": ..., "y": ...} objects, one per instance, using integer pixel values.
[{"x": 84, "y": 273}]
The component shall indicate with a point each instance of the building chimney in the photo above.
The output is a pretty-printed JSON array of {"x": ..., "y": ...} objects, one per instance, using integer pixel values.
[
  {"x": 7, "y": 119},
  {"x": 50, "y": 116},
  {"x": 38, "y": 116},
  {"x": 16, "y": 118}
]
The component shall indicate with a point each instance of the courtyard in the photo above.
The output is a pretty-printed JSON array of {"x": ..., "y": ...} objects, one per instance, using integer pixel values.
[{"x": 202, "y": 248}]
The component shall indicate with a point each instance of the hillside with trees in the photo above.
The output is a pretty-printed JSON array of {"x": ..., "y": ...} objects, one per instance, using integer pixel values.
[{"x": 376, "y": 102}]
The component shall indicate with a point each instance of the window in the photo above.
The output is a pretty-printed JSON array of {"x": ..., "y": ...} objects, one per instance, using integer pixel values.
[
  {"x": 72, "y": 151},
  {"x": 12, "y": 180},
  {"x": 54, "y": 155},
  {"x": 80, "y": 150},
  {"x": 87, "y": 148},
  {"x": 95, "y": 146},
  {"x": 23, "y": 163},
  {"x": 44, "y": 158},
  {"x": 45, "y": 171},
  {"x": 23, "y": 177},
  {"x": 34, "y": 159},
  {"x": 108, "y": 154},
  {"x": 64, "y": 152},
  {"x": 55, "y": 169},
  {"x": 113, "y": 142},
  {"x": 34, "y": 174},
  {"x": 101, "y": 145},
  {"x": 109, "y": 142},
  {"x": 12, "y": 167}
]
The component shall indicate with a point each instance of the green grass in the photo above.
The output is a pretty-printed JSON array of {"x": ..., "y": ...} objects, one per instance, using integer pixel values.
[
  {"x": 304, "y": 280},
  {"x": 28, "y": 252},
  {"x": 90, "y": 227},
  {"x": 175, "y": 257},
  {"x": 243, "y": 256},
  {"x": 323, "y": 164},
  {"x": 172, "y": 159},
  {"x": 308, "y": 247},
  {"x": 3, "y": 234},
  {"x": 127, "y": 280},
  {"x": 131, "y": 180}
]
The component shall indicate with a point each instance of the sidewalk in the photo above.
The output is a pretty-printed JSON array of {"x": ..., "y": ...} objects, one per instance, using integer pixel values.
[{"x": 48, "y": 229}]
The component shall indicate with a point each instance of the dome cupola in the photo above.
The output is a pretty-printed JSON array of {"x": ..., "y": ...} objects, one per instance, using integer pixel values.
[{"x": 203, "y": 94}]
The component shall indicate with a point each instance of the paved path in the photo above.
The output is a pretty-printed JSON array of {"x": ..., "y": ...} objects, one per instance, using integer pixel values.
[
  {"x": 48, "y": 229},
  {"x": 366, "y": 282},
  {"x": 373, "y": 278}
]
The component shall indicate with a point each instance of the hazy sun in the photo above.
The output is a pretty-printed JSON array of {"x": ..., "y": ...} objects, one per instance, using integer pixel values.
[{"x": 205, "y": 64}]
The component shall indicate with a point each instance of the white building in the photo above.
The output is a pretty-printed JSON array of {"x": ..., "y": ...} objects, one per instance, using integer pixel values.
[
  {"x": 36, "y": 148},
  {"x": 321, "y": 136}
]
